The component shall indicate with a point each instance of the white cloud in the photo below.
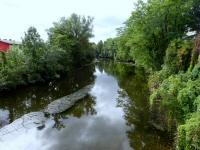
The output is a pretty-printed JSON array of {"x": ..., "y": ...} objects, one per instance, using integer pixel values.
[{"x": 17, "y": 15}]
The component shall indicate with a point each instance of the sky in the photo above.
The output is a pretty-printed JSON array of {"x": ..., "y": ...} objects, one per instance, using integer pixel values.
[{"x": 17, "y": 15}]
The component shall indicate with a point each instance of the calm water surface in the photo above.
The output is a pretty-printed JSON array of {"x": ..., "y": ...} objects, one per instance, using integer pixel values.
[{"x": 114, "y": 116}]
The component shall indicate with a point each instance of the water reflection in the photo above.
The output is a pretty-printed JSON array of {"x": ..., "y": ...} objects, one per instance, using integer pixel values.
[
  {"x": 4, "y": 117},
  {"x": 83, "y": 108},
  {"x": 99, "y": 133},
  {"x": 114, "y": 117},
  {"x": 133, "y": 98},
  {"x": 35, "y": 98},
  {"x": 103, "y": 130}
]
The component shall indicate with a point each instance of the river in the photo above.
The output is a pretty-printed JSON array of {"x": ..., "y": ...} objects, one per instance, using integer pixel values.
[{"x": 115, "y": 115}]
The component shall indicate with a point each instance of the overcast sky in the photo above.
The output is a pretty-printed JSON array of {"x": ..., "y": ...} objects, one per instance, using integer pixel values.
[{"x": 17, "y": 15}]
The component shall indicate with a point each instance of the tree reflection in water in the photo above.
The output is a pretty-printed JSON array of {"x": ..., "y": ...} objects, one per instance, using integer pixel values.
[
  {"x": 96, "y": 122},
  {"x": 83, "y": 107},
  {"x": 133, "y": 98},
  {"x": 34, "y": 98}
]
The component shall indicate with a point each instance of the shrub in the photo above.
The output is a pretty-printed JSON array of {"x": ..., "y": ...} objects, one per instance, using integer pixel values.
[
  {"x": 167, "y": 95},
  {"x": 196, "y": 70},
  {"x": 189, "y": 134},
  {"x": 157, "y": 78},
  {"x": 186, "y": 97},
  {"x": 178, "y": 55}
]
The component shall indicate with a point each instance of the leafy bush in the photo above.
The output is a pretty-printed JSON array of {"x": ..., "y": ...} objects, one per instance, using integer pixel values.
[
  {"x": 196, "y": 70},
  {"x": 189, "y": 134},
  {"x": 10, "y": 78},
  {"x": 156, "y": 79},
  {"x": 179, "y": 96},
  {"x": 186, "y": 97},
  {"x": 178, "y": 55},
  {"x": 13, "y": 72},
  {"x": 167, "y": 94}
]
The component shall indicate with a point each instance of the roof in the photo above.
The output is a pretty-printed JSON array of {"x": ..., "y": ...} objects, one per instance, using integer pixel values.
[{"x": 11, "y": 42}]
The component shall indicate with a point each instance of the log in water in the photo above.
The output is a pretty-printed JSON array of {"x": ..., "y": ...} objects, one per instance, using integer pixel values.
[
  {"x": 28, "y": 121},
  {"x": 38, "y": 119},
  {"x": 64, "y": 103}
]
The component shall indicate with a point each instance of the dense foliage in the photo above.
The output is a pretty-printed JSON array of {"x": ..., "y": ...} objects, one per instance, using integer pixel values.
[
  {"x": 151, "y": 28},
  {"x": 38, "y": 61},
  {"x": 158, "y": 37},
  {"x": 107, "y": 49},
  {"x": 72, "y": 35},
  {"x": 179, "y": 95}
]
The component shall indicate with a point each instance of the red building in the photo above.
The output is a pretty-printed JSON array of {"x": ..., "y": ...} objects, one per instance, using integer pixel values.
[{"x": 5, "y": 45}]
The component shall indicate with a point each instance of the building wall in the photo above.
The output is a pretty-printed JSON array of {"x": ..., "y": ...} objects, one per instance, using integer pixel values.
[{"x": 4, "y": 47}]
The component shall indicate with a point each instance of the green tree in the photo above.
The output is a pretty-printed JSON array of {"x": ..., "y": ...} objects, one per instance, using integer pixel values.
[
  {"x": 152, "y": 26},
  {"x": 193, "y": 16},
  {"x": 110, "y": 48},
  {"x": 33, "y": 45},
  {"x": 72, "y": 35},
  {"x": 99, "y": 51}
]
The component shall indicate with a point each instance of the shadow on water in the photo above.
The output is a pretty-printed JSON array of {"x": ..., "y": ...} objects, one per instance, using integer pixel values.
[
  {"x": 34, "y": 98},
  {"x": 115, "y": 115}
]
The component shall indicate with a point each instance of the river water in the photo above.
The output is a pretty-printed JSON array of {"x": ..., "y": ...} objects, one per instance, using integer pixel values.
[{"x": 115, "y": 115}]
